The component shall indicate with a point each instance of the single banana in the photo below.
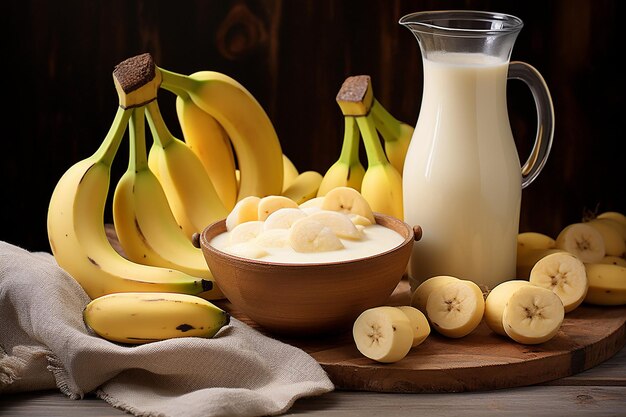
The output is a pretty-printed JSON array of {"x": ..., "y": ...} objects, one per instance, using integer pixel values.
[
  {"x": 495, "y": 302},
  {"x": 78, "y": 239},
  {"x": 614, "y": 215},
  {"x": 565, "y": 275},
  {"x": 613, "y": 260},
  {"x": 254, "y": 139},
  {"x": 582, "y": 240},
  {"x": 308, "y": 235},
  {"x": 455, "y": 309},
  {"x": 613, "y": 233},
  {"x": 245, "y": 210},
  {"x": 534, "y": 240},
  {"x": 422, "y": 290},
  {"x": 304, "y": 187},
  {"x": 419, "y": 323},
  {"x": 396, "y": 134},
  {"x": 209, "y": 141},
  {"x": 382, "y": 183},
  {"x": 145, "y": 226},
  {"x": 347, "y": 200},
  {"x": 532, "y": 315},
  {"x": 290, "y": 172},
  {"x": 347, "y": 171},
  {"x": 383, "y": 334},
  {"x": 142, "y": 317},
  {"x": 189, "y": 190},
  {"x": 526, "y": 260},
  {"x": 607, "y": 284}
]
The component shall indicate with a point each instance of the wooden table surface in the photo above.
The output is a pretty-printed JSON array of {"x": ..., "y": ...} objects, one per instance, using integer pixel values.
[{"x": 600, "y": 391}]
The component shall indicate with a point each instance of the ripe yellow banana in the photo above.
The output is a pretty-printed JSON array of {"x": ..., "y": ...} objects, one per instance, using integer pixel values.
[
  {"x": 290, "y": 172},
  {"x": 257, "y": 149},
  {"x": 304, "y": 187},
  {"x": 145, "y": 226},
  {"x": 189, "y": 190},
  {"x": 348, "y": 170},
  {"x": 140, "y": 317},
  {"x": 77, "y": 237},
  {"x": 396, "y": 134},
  {"x": 208, "y": 140},
  {"x": 607, "y": 284},
  {"x": 382, "y": 183}
]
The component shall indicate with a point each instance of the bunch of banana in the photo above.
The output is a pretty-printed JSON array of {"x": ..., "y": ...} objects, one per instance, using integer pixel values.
[
  {"x": 145, "y": 226},
  {"x": 75, "y": 218},
  {"x": 207, "y": 96},
  {"x": 141, "y": 317},
  {"x": 586, "y": 260},
  {"x": 381, "y": 184}
]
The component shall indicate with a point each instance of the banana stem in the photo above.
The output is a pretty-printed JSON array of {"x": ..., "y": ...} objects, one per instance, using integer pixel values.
[
  {"x": 178, "y": 84},
  {"x": 389, "y": 127},
  {"x": 111, "y": 143},
  {"x": 350, "y": 147},
  {"x": 373, "y": 147},
  {"x": 160, "y": 133},
  {"x": 138, "y": 157}
]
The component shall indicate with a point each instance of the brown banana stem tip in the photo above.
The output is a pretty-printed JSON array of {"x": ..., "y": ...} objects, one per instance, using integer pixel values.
[
  {"x": 135, "y": 72},
  {"x": 354, "y": 89}
]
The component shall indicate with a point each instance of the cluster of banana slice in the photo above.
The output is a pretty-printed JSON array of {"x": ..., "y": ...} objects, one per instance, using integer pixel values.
[
  {"x": 585, "y": 264},
  {"x": 322, "y": 224}
]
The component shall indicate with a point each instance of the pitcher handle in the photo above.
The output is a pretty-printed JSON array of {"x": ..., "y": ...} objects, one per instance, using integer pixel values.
[{"x": 545, "y": 119}]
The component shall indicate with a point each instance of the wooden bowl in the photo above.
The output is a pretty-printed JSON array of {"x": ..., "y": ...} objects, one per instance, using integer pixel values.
[{"x": 308, "y": 299}]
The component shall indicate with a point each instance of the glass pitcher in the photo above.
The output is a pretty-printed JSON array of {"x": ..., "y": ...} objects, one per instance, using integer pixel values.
[{"x": 462, "y": 179}]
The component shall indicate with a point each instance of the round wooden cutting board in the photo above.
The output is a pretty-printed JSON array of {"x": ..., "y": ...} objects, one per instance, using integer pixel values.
[{"x": 480, "y": 361}]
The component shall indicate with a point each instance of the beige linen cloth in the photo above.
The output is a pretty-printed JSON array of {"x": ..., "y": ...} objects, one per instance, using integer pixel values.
[{"x": 45, "y": 344}]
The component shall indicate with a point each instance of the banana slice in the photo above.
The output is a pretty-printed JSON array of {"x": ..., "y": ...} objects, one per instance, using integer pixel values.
[
  {"x": 359, "y": 220},
  {"x": 613, "y": 234},
  {"x": 315, "y": 202},
  {"x": 423, "y": 290},
  {"x": 583, "y": 241},
  {"x": 419, "y": 323},
  {"x": 613, "y": 260},
  {"x": 348, "y": 200},
  {"x": 339, "y": 223},
  {"x": 245, "y": 210},
  {"x": 565, "y": 275},
  {"x": 249, "y": 250},
  {"x": 383, "y": 334},
  {"x": 283, "y": 218},
  {"x": 273, "y": 238},
  {"x": 607, "y": 284},
  {"x": 245, "y": 232},
  {"x": 307, "y": 235},
  {"x": 455, "y": 309},
  {"x": 532, "y": 315},
  {"x": 496, "y": 300},
  {"x": 271, "y": 203}
]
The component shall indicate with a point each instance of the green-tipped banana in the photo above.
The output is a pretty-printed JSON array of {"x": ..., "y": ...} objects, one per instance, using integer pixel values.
[
  {"x": 256, "y": 145},
  {"x": 137, "y": 318},
  {"x": 189, "y": 190},
  {"x": 208, "y": 140},
  {"x": 396, "y": 134},
  {"x": 348, "y": 170},
  {"x": 144, "y": 223},
  {"x": 78, "y": 239},
  {"x": 382, "y": 183}
]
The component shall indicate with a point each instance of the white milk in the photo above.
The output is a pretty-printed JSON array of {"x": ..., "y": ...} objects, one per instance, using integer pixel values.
[
  {"x": 462, "y": 177},
  {"x": 376, "y": 239}
]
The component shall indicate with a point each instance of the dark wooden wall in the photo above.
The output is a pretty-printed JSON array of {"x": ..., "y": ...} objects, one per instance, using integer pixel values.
[{"x": 293, "y": 56}]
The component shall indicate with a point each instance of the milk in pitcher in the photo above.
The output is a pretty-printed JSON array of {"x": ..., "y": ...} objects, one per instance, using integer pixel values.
[{"x": 462, "y": 174}]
